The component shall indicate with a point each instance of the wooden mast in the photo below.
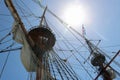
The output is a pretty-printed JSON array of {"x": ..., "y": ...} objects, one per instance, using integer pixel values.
[
  {"x": 16, "y": 17},
  {"x": 98, "y": 60},
  {"x": 31, "y": 41},
  {"x": 40, "y": 71}
]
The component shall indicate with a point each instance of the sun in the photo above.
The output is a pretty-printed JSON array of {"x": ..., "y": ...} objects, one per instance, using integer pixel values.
[{"x": 75, "y": 15}]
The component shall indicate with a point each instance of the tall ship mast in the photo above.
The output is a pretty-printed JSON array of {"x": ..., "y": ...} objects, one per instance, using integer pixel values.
[{"x": 52, "y": 50}]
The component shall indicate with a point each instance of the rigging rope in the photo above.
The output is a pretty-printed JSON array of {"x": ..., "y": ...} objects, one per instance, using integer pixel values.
[
  {"x": 8, "y": 46},
  {"x": 118, "y": 64},
  {"x": 64, "y": 67},
  {"x": 22, "y": 11},
  {"x": 6, "y": 41},
  {"x": 7, "y": 50},
  {"x": 29, "y": 9},
  {"x": 68, "y": 61},
  {"x": 53, "y": 71},
  {"x": 57, "y": 67},
  {"x": 5, "y": 36},
  {"x": 60, "y": 66},
  {"x": 76, "y": 51},
  {"x": 69, "y": 64},
  {"x": 43, "y": 7},
  {"x": 68, "y": 69},
  {"x": 5, "y": 63}
]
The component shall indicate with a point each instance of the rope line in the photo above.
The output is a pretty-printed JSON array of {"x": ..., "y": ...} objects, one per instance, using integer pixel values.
[{"x": 6, "y": 60}]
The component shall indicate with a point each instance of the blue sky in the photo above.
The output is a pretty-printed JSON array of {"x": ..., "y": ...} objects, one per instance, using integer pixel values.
[{"x": 104, "y": 25}]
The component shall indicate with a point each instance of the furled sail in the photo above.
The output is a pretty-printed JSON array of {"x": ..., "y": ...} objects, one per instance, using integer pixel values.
[{"x": 27, "y": 56}]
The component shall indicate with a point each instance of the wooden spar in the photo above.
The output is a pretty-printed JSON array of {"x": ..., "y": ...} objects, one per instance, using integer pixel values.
[
  {"x": 39, "y": 72},
  {"x": 107, "y": 65},
  {"x": 16, "y": 17},
  {"x": 43, "y": 16}
]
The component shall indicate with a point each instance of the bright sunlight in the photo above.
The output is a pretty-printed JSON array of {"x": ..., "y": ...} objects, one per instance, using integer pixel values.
[{"x": 75, "y": 15}]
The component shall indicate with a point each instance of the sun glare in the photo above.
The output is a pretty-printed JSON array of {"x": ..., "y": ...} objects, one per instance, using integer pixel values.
[{"x": 75, "y": 15}]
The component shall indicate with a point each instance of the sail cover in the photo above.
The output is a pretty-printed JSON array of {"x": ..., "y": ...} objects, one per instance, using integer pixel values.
[{"x": 27, "y": 56}]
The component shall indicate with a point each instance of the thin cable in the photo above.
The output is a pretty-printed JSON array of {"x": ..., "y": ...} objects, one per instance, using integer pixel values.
[
  {"x": 8, "y": 46},
  {"x": 53, "y": 71},
  {"x": 5, "y": 36},
  {"x": 68, "y": 69},
  {"x": 6, "y": 41},
  {"x": 61, "y": 67},
  {"x": 29, "y": 9},
  {"x": 60, "y": 62},
  {"x": 111, "y": 46},
  {"x": 69, "y": 44},
  {"x": 43, "y": 7},
  {"x": 57, "y": 67},
  {"x": 4, "y": 65},
  {"x": 76, "y": 51},
  {"x": 1, "y": 51},
  {"x": 5, "y": 62},
  {"x": 21, "y": 9},
  {"x": 118, "y": 64}
]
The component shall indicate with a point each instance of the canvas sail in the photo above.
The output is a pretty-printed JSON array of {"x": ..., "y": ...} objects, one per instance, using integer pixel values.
[{"x": 27, "y": 55}]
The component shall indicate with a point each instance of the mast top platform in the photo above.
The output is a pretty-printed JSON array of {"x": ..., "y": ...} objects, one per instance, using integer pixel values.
[{"x": 42, "y": 37}]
